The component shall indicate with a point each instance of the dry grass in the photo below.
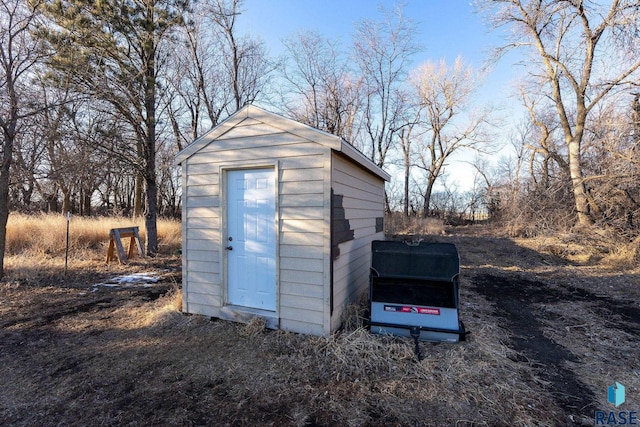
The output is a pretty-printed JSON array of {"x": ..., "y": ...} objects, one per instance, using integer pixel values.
[
  {"x": 35, "y": 246},
  {"x": 45, "y": 234},
  {"x": 591, "y": 246},
  {"x": 398, "y": 224},
  {"x": 121, "y": 357}
]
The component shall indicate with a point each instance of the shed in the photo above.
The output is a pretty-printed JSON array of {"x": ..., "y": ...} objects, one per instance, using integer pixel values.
[{"x": 277, "y": 222}]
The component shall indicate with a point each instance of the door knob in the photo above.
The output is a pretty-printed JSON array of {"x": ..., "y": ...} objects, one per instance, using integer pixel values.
[{"x": 229, "y": 248}]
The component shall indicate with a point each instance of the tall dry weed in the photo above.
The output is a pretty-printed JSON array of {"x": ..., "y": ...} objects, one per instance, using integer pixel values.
[
  {"x": 623, "y": 254},
  {"x": 45, "y": 234}
]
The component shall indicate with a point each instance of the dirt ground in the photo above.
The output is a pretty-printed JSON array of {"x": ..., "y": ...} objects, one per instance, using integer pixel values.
[{"x": 548, "y": 336}]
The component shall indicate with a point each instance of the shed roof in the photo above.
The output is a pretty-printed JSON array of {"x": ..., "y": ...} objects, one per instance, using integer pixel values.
[{"x": 333, "y": 142}]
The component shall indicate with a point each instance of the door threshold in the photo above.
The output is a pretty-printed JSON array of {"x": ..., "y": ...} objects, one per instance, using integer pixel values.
[{"x": 237, "y": 313}]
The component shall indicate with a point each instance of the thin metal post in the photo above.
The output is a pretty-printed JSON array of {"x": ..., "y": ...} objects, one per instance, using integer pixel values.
[{"x": 66, "y": 254}]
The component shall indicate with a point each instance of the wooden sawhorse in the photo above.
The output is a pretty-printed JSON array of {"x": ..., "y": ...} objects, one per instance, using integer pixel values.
[{"x": 117, "y": 234}]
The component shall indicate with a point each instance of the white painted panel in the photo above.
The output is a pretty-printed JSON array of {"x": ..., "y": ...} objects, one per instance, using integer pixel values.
[
  {"x": 244, "y": 131},
  {"x": 203, "y": 222},
  {"x": 302, "y": 226},
  {"x": 203, "y": 255},
  {"x": 204, "y": 212},
  {"x": 202, "y": 190},
  {"x": 208, "y": 234},
  {"x": 305, "y": 277},
  {"x": 302, "y": 187},
  {"x": 197, "y": 169},
  {"x": 298, "y": 175},
  {"x": 201, "y": 277},
  {"x": 203, "y": 202},
  {"x": 203, "y": 266},
  {"x": 304, "y": 212},
  {"x": 294, "y": 251},
  {"x": 205, "y": 288},
  {"x": 304, "y": 163},
  {"x": 343, "y": 181},
  {"x": 203, "y": 244},
  {"x": 243, "y": 142},
  {"x": 301, "y": 327},
  {"x": 296, "y": 200},
  {"x": 210, "y": 178},
  {"x": 305, "y": 239},
  {"x": 204, "y": 160},
  {"x": 301, "y": 315},
  {"x": 302, "y": 264},
  {"x": 249, "y": 121},
  {"x": 302, "y": 289},
  {"x": 203, "y": 310},
  {"x": 302, "y": 303},
  {"x": 204, "y": 299}
]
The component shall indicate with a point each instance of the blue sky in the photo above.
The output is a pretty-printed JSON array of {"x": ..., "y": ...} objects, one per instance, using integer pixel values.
[{"x": 446, "y": 29}]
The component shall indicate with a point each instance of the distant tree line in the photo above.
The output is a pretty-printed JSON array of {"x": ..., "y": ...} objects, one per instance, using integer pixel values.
[
  {"x": 96, "y": 98},
  {"x": 576, "y": 161}
]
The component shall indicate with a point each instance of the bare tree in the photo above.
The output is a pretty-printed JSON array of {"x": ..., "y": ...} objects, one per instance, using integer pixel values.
[
  {"x": 443, "y": 93},
  {"x": 245, "y": 58},
  {"x": 382, "y": 51},
  {"x": 198, "y": 94},
  {"x": 407, "y": 136},
  {"x": 585, "y": 50},
  {"x": 19, "y": 53},
  {"x": 612, "y": 167},
  {"x": 542, "y": 143},
  {"x": 322, "y": 92},
  {"x": 212, "y": 70},
  {"x": 113, "y": 51}
]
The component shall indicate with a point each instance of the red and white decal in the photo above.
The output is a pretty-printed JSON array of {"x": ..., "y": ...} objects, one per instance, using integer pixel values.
[
  {"x": 412, "y": 309},
  {"x": 426, "y": 310}
]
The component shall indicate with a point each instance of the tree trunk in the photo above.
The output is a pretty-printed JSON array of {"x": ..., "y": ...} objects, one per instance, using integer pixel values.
[
  {"x": 86, "y": 203},
  {"x": 4, "y": 203},
  {"x": 427, "y": 196},
  {"x": 406, "y": 190},
  {"x": 9, "y": 135},
  {"x": 407, "y": 171},
  {"x": 578, "y": 187},
  {"x": 138, "y": 194},
  {"x": 151, "y": 217},
  {"x": 66, "y": 200},
  {"x": 150, "y": 151}
]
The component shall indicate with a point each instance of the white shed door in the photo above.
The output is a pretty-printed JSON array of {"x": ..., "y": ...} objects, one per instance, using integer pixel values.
[{"x": 251, "y": 240}]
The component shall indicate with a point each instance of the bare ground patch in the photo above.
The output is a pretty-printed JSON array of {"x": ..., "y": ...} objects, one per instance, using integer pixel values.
[{"x": 548, "y": 337}]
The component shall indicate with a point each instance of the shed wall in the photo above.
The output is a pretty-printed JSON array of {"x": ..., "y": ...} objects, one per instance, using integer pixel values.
[
  {"x": 362, "y": 202},
  {"x": 303, "y": 168}
]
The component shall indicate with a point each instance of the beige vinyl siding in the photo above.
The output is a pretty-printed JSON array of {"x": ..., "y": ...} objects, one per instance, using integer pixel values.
[
  {"x": 301, "y": 212},
  {"x": 351, "y": 279},
  {"x": 201, "y": 267},
  {"x": 363, "y": 202},
  {"x": 309, "y": 165}
]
